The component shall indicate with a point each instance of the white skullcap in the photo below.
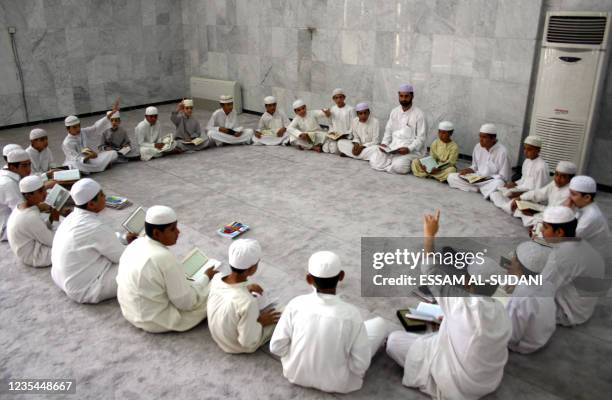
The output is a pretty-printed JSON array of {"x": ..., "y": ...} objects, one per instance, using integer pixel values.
[
  {"x": 269, "y": 100},
  {"x": 17, "y": 155},
  {"x": 533, "y": 140},
  {"x": 244, "y": 253},
  {"x": 566, "y": 167},
  {"x": 30, "y": 184},
  {"x": 10, "y": 147},
  {"x": 37, "y": 133},
  {"x": 491, "y": 129},
  {"x": 324, "y": 264},
  {"x": 485, "y": 270},
  {"x": 337, "y": 91},
  {"x": 151, "y": 111},
  {"x": 224, "y": 99},
  {"x": 446, "y": 126},
  {"x": 362, "y": 106},
  {"x": 71, "y": 120},
  {"x": 188, "y": 102},
  {"x": 533, "y": 256},
  {"x": 583, "y": 184},
  {"x": 298, "y": 103},
  {"x": 84, "y": 191},
  {"x": 114, "y": 115},
  {"x": 558, "y": 215},
  {"x": 160, "y": 215},
  {"x": 406, "y": 88}
]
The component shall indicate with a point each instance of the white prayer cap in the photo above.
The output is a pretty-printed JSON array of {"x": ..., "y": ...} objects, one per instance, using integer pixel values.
[
  {"x": 583, "y": 184},
  {"x": 244, "y": 253},
  {"x": 446, "y": 126},
  {"x": 298, "y": 103},
  {"x": 17, "y": 155},
  {"x": 160, "y": 215},
  {"x": 151, "y": 111},
  {"x": 269, "y": 100},
  {"x": 84, "y": 191},
  {"x": 37, "y": 133},
  {"x": 362, "y": 106},
  {"x": 484, "y": 270},
  {"x": 533, "y": 140},
  {"x": 558, "y": 215},
  {"x": 566, "y": 167},
  {"x": 10, "y": 147},
  {"x": 71, "y": 120},
  {"x": 532, "y": 255},
  {"x": 30, "y": 184},
  {"x": 337, "y": 91},
  {"x": 113, "y": 115},
  {"x": 188, "y": 102},
  {"x": 224, "y": 99},
  {"x": 324, "y": 264},
  {"x": 406, "y": 88},
  {"x": 491, "y": 129}
]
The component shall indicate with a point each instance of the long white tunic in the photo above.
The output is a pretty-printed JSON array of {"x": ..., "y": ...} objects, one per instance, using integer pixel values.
[
  {"x": 73, "y": 147},
  {"x": 568, "y": 261},
  {"x": 341, "y": 119},
  {"x": 364, "y": 133},
  {"x": 307, "y": 124},
  {"x": 92, "y": 135},
  {"x": 493, "y": 162},
  {"x": 534, "y": 174},
  {"x": 232, "y": 317},
  {"x": 29, "y": 237},
  {"x": 42, "y": 161},
  {"x": 147, "y": 136},
  {"x": 272, "y": 122},
  {"x": 153, "y": 291},
  {"x": 323, "y": 343},
  {"x": 414, "y": 138},
  {"x": 532, "y": 311},
  {"x": 593, "y": 227},
  {"x": 551, "y": 195},
  {"x": 10, "y": 197},
  {"x": 219, "y": 119},
  {"x": 84, "y": 250}
]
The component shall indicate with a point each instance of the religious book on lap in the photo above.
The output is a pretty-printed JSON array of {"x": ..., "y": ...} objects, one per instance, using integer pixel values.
[
  {"x": 124, "y": 150},
  {"x": 426, "y": 312},
  {"x": 168, "y": 141},
  {"x": 529, "y": 205},
  {"x": 336, "y": 135},
  {"x": 87, "y": 151},
  {"x": 67, "y": 175},
  {"x": 474, "y": 178},
  {"x": 267, "y": 132},
  {"x": 430, "y": 163},
  {"x": 264, "y": 301},
  {"x": 409, "y": 324},
  {"x": 196, "y": 263},
  {"x": 195, "y": 141},
  {"x": 135, "y": 223},
  {"x": 57, "y": 197},
  {"x": 506, "y": 192}
]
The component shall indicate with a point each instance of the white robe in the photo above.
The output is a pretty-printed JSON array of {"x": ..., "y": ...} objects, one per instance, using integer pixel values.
[
  {"x": 324, "y": 343},
  {"x": 307, "y": 124},
  {"x": 593, "y": 227},
  {"x": 232, "y": 318},
  {"x": 10, "y": 197},
  {"x": 273, "y": 123},
  {"x": 551, "y": 195},
  {"x": 568, "y": 261},
  {"x": 72, "y": 147},
  {"x": 147, "y": 136},
  {"x": 494, "y": 163},
  {"x": 366, "y": 134},
  {"x": 154, "y": 293},
  {"x": 42, "y": 161},
  {"x": 84, "y": 257},
  {"x": 29, "y": 237},
  {"x": 341, "y": 120},
  {"x": 534, "y": 175},
  {"x": 532, "y": 311},
  {"x": 92, "y": 135},
  {"x": 219, "y": 119}
]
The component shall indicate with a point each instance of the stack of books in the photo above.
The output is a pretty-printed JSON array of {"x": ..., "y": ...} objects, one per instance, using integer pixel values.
[{"x": 117, "y": 202}]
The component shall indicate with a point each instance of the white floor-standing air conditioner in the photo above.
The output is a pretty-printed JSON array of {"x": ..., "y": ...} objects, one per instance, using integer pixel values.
[{"x": 571, "y": 74}]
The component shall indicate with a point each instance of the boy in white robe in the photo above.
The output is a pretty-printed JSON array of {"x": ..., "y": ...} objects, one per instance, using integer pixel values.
[
  {"x": 341, "y": 116},
  {"x": 152, "y": 289},
  {"x": 489, "y": 159},
  {"x": 555, "y": 193},
  {"x": 305, "y": 131},
  {"x": 531, "y": 308},
  {"x": 404, "y": 137},
  {"x": 575, "y": 269},
  {"x": 534, "y": 175},
  {"x": 188, "y": 128},
  {"x": 365, "y": 129},
  {"x": 40, "y": 155},
  {"x": 150, "y": 139},
  {"x": 18, "y": 166},
  {"x": 236, "y": 324},
  {"x": 29, "y": 236},
  {"x": 222, "y": 127},
  {"x": 272, "y": 127},
  {"x": 323, "y": 342},
  {"x": 85, "y": 252},
  {"x": 465, "y": 358}
]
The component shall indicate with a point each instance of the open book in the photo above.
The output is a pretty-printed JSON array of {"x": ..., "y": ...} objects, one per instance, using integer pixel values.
[
  {"x": 430, "y": 163},
  {"x": 509, "y": 192},
  {"x": 57, "y": 197},
  {"x": 474, "y": 178},
  {"x": 264, "y": 301},
  {"x": 426, "y": 312},
  {"x": 87, "y": 151},
  {"x": 124, "y": 150},
  {"x": 529, "y": 205},
  {"x": 168, "y": 141},
  {"x": 267, "y": 132},
  {"x": 336, "y": 135},
  {"x": 67, "y": 175},
  {"x": 196, "y": 263},
  {"x": 195, "y": 141},
  {"x": 135, "y": 222}
]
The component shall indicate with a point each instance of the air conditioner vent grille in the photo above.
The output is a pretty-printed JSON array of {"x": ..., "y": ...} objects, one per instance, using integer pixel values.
[
  {"x": 576, "y": 29},
  {"x": 561, "y": 140}
]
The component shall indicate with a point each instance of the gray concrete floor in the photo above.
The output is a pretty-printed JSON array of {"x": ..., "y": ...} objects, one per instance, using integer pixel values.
[{"x": 296, "y": 203}]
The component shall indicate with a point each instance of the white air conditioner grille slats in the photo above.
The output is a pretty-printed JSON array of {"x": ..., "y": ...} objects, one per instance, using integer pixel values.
[
  {"x": 561, "y": 140},
  {"x": 576, "y": 29}
]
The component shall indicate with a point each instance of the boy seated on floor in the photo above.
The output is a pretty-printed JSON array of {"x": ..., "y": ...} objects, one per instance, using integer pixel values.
[
  {"x": 234, "y": 319},
  {"x": 116, "y": 138},
  {"x": 323, "y": 342},
  {"x": 41, "y": 156}
]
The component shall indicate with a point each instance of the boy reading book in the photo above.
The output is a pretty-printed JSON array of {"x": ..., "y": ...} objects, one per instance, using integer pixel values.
[
  {"x": 341, "y": 115},
  {"x": 444, "y": 153}
]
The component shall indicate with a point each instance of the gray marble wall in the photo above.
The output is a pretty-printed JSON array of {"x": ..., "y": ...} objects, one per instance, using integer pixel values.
[{"x": 79, "y": 55}]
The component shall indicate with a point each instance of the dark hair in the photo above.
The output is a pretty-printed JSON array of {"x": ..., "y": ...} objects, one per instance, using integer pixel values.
[
  {"x": 149, "y": 228},
  {"x": 13, "y": 164},
  {"x": 326, "y": 283},
  {"x": 584, "y": 194},
  {"x": 568, "y": 227},
  {"x": 84, "y": 206}
]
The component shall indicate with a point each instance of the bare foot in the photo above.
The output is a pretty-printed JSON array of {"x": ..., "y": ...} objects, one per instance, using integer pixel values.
[{"x": 317, "y": 148}]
